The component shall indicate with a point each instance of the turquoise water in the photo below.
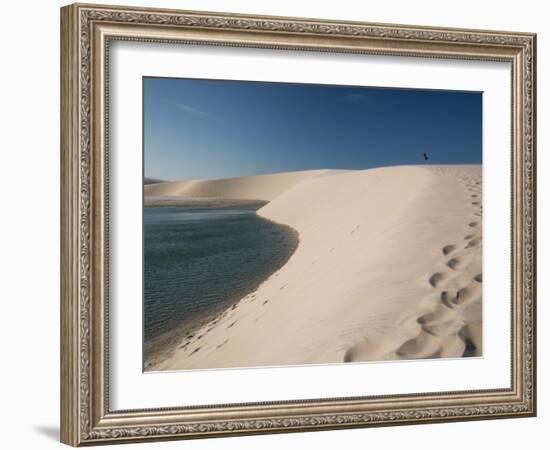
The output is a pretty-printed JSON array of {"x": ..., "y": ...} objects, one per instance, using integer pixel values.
[{"x": 200, "y": 261}]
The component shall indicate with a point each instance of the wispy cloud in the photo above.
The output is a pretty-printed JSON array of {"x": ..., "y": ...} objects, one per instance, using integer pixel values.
[
  {"x": 195, "y": 111},
  {"x": 354, "y": 97}
]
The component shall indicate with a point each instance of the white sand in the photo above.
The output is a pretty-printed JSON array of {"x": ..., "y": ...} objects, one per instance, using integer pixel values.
[{"x": 388, "y": 267}]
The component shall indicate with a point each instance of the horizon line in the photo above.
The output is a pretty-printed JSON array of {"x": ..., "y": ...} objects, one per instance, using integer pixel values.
[{"x": 160, "y": 180}]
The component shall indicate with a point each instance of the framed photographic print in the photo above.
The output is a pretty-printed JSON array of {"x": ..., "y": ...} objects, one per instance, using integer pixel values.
[{"x": 276, "y": 224}]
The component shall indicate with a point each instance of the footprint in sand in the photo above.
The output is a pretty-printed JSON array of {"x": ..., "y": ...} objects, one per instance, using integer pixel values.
[
  {"x": 449, "y": 299},
  {"x": 422, "y": 346},
  {"x": 448, "y": 249},
  {"x": 471, "y": 335},
  {"x": 222, "y": 344},
  {"x": 441, "y": 313},
  {"x": 473, "y": 243},
  {"x": 458, "y": 262},
  {"x": 436, "y": 279},
  {"x": 468, "y": 294},
  {"x": 443, "y": 330},
  {"x": 446, "y": 330},
  {"x": 359, "y": 352}
]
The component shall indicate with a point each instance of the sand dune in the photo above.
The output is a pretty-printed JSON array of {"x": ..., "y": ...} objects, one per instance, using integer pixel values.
[
  {"x": 147, "y": 180},
  {"x": 388, "y": 267},
  {"x": 259, "y": 187}
]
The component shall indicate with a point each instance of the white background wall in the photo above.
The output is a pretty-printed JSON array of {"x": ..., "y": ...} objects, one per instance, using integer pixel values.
[{"x": 29, "y": 234}]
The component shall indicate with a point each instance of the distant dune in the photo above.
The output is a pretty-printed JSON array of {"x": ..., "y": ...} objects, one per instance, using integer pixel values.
[
  {"x": 147, "y": 181},
  {"x": 259, "y": 187},
  {"x": 388, "y": 267}
]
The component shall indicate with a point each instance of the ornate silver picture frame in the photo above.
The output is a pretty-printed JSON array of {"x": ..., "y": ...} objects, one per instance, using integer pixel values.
[{"x": 87, "y": 33}]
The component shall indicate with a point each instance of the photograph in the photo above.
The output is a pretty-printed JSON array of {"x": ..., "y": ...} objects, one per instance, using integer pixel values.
[
  {"x": 291, "y": 220},
  {"x": 289, "y": 224}
]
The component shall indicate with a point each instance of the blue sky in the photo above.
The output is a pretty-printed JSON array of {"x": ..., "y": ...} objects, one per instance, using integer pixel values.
[{"x": 201, "y": 129}]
